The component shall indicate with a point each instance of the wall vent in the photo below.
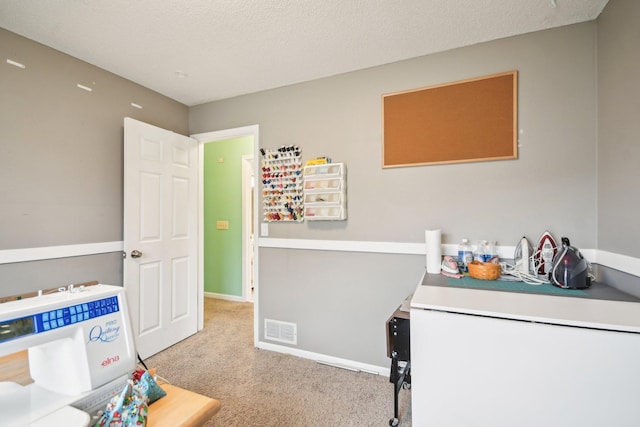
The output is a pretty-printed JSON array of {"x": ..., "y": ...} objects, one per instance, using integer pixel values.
[{"x": 286, "y": 332}]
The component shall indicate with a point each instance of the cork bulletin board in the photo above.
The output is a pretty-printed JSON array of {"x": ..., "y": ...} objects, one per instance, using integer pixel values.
[{"x": 465, "y": 121}]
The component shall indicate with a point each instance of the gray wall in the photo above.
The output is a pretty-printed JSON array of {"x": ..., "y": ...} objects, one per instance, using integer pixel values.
[
  {"x": 61, "y": 160},
  {"x": 619, "y": 128},
  {"x": 61, "y": 169},
  {"x": 341, "y": 117},
  {"x": 341, "y": 300}
]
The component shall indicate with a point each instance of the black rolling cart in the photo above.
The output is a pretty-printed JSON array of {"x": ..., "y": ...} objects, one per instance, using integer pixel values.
[{"x": 399, "y": 350}]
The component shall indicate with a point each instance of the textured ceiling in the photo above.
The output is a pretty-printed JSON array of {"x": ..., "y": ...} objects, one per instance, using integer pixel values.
[{"x": 196, "y": 51}]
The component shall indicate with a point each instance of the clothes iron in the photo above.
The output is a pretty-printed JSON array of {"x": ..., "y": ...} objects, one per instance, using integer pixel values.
[
  {"x": 449, "y": 268},
  {"x": 570, "y": 270},
  {"x": 546, "y": 250},
  {"x": 522, "y": 255}
]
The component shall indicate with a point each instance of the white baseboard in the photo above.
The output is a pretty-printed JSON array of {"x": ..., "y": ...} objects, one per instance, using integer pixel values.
[
  {"x": 326, "y": 359},
  {"x": 223, "y": 296}
]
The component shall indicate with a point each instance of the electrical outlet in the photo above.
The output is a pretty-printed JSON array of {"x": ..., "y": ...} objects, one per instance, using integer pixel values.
[{"x": 222, "y": 225}]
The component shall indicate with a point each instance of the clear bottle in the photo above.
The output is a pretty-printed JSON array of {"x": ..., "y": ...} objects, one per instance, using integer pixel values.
[
  {"x": 465, "y": 255},
  {"x": 479, "y": 253},
  {"x": 492, "y": 255}
]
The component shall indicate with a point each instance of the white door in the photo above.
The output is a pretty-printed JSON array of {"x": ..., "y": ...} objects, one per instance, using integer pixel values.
[{"x": 160, "y": 235}]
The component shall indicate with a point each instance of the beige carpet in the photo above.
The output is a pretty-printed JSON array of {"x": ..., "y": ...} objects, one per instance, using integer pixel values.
[{"x": 263, "y": 388}]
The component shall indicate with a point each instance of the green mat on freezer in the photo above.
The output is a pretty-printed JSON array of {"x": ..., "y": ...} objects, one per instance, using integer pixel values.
[{"x": 513, "y": 286}]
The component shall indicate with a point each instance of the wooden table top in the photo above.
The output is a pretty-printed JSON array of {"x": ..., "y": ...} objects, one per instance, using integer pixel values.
[{"x": 181, "y": 408}]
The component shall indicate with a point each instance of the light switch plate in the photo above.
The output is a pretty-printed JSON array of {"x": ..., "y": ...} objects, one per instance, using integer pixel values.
[
  {"x": 222, "y": 225},
  {"x": 264, "y": 229}
]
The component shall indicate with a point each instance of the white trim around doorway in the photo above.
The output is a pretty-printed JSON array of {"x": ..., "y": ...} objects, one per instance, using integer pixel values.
[{"x": 206, "y": 137}]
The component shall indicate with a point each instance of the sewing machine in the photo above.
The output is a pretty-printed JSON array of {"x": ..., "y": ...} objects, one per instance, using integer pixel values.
[{"x": 81, "y": 352}]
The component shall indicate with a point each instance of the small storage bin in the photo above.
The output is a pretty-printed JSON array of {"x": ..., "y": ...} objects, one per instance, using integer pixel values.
[
  {"x": 325, "y": 192},
  {"x": 484, "y": 270}
]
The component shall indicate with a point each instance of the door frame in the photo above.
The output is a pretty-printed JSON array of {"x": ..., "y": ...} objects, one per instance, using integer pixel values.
[
  {"x": 247, "y": 225},
  {"x": 203, "y": 138}
]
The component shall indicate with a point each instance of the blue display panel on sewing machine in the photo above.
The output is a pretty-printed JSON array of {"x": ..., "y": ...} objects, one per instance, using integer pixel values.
[{"x": 58, "y": 318}]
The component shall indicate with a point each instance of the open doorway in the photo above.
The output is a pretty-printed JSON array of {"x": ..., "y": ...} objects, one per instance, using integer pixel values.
[{"x": 249, "y": 217}]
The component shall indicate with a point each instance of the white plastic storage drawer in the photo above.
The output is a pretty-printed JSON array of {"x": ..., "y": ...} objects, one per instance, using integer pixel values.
[
  {"x": 324, "y": 213},
  {"x": 322, "y": 184},
  {"x": 323, "y": 170},
  {"x": 323, "y": 198}
]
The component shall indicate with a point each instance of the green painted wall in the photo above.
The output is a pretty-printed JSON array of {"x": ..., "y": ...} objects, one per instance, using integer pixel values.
[{"x": 223, "y": 202}]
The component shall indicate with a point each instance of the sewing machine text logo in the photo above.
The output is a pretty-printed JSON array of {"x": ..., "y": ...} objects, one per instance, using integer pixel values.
[{"x": 109, "y": 333}]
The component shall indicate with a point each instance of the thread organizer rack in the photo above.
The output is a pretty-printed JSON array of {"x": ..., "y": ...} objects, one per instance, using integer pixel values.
[{"x": 282, "y": 194}]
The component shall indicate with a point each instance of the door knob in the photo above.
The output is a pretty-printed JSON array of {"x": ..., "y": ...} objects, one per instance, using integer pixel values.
[{"x": 136, "y": 253}]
